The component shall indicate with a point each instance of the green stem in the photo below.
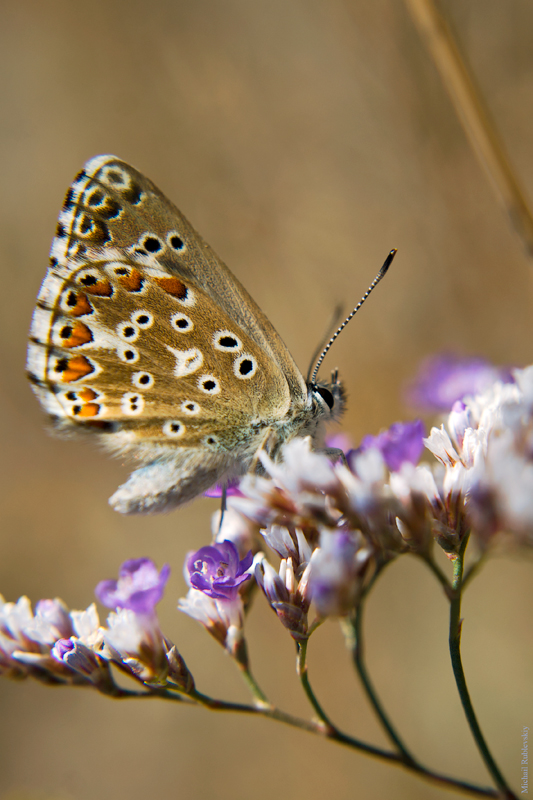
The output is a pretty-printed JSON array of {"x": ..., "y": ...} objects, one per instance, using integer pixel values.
[
  {"x": 260, "y": 697},
  {"x": 240, "y": 656},
  {"x": 460, "y": 680},
  {"x": 301, "y": 669},
  {"x": 354, "y": 639}
]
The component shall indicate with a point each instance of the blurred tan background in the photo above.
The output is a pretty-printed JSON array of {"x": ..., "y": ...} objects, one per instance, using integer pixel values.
[{"x": 304, "y": 140}]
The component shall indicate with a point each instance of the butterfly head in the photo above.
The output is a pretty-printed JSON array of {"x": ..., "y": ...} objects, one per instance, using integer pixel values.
[{"x": 327, "y": 400}]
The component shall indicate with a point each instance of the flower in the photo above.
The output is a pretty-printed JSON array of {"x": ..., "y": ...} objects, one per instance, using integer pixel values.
[
  {"x": 133, "y": 635},
  {"x": 217, "y": 571},
  {"x": 139, "y": 586},
  {"x": 446, "y": 378},
  {"x": 82, "y": 659},
  {"x": 222, "y": 618},
  {"x": 287, "y": 591},
  {"x": 402, "y": 442},
  {"x": 217, "y": 576},
  {"x": 28, "y": 640},
  {"x": 338, "y": 568},
  {"x": 232, "y": 489}
]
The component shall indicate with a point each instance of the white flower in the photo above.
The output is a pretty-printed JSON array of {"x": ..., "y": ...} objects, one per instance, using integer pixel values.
[{"x": 223, "y": 619}]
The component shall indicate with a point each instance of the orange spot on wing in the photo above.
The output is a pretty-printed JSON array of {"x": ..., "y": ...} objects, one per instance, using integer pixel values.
[
  {"x": 101, "y": 288},
  {"x": 87, "y": 394},
  {"x": 172, "y": 286},
  {"x": 132, "y": 282},
  {"x": 89, "y": 410},
  {"x": 75, "y": 335},
  {"x": 78, "y": 305},
  {"x": 77, "y": 367}
]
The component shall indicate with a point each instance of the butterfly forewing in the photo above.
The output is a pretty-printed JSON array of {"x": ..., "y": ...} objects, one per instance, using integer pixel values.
[
  {"x": 142, "y": 335},
  {"x": 125, "y": 331}
]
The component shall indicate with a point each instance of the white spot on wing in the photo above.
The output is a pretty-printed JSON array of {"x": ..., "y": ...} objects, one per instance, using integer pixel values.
[
  {"x": 181, "y": 322},
  {"x": 187, "y": 361},
  {"x": 132, "y": 404},
  {"x": 227, "y": 342},
  {"x": 190, "y": 408},
  {"x": 208, "y": 384},
  {"x": 245, "y": 367},
  {"x": 173, "y": 428}
]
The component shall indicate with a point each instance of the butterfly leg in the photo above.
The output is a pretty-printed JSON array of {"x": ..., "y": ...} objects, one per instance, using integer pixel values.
[
  {"x": 256, "y": 466},
  {"x": 223, "y": 506},
  {"x": 335, "y": 454}
]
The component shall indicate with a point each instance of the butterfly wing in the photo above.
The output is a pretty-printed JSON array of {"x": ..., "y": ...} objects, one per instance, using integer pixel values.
[{"x": 144, "y": 336}]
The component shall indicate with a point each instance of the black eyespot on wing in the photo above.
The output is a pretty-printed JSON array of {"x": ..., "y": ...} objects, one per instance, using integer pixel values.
[
  {"x": 89, "y": 280},
  {"x": 246, "y": 366},
  {"x": 176, "y": 242},
  {"x": 152, "y": 244}
]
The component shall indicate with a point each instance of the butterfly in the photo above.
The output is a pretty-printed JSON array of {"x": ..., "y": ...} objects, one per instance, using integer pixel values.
[{"x": 142, "y": 337}]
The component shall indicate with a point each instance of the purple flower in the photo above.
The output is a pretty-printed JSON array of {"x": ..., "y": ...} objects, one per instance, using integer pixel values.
[
  {"x": 444, "y": 379},
  {"x": 139, "y": 587},
  {"x": 337, "y": 571},
  {"x": 403, "y": 441},
  {"x": 216, "y": 570},
  {"x": 232, "y": 489}
]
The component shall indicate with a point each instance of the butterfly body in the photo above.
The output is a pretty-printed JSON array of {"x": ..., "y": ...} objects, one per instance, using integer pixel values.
[{"x": 144, "y": 338}]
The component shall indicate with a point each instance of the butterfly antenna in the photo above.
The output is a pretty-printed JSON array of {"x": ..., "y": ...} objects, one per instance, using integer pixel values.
[
  {"x": 332, "y": 326},
  {"x": 381, "y": 274}
]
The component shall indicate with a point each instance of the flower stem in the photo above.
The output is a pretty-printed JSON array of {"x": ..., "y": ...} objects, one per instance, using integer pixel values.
[
  {"x": 332, "y": 733},
  {"x": 260, "y": 697},
  {"x": 301, "y": 669},
  {"x": 354, "y": 641},
  {"x": 460, "y": 679}
]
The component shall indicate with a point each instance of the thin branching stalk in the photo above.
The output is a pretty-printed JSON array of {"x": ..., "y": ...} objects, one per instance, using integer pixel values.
[
  {"x": 473, "y": 115},
  {"x": 460, "y": 679}
]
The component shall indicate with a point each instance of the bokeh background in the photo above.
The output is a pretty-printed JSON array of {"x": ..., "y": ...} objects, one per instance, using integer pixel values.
[{"x": 303, "y": 139}]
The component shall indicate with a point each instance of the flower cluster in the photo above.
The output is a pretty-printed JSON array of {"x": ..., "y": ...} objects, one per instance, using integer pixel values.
[
  {"x": 332, "y": 526},
  {"x": 56, "y": 645}
]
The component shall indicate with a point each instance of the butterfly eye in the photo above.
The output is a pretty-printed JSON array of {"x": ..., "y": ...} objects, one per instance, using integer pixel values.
[
  {"x": 326, "y": 396},
  {"x": 181, "y": 322}
]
